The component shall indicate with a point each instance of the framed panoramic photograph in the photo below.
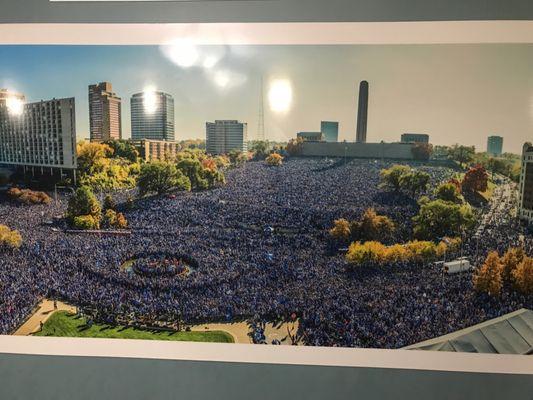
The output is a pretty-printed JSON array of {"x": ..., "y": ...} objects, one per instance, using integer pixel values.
[{"x": 363, "y": 186}]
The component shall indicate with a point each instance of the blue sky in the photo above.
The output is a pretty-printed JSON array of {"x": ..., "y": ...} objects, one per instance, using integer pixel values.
[{"x": 455, "y": 93}]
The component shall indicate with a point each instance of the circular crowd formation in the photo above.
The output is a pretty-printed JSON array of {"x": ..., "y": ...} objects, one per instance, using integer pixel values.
[{"x": 158, "y": 265}]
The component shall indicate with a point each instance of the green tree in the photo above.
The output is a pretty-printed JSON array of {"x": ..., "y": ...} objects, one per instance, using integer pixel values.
[
  {"x": 448, "y": 191},
  {"x": 192, "y": 168},
  {"x": 390, "y": 178},
  {"x": 124, "y": 149},
  {"x": 237, "y": 157},
  {"x": 462, "y": 154},
  {"x": 440, "y": 218},
  {"x": 82, "y": 203},
  {"x": 109, "y": 203},
  {"x": 161, "y": 177},
  {"x": 86, "y": 222},
  {"x": 414, "y": 182},
  {"x": 260, "y": 148},
  {"x": 91, "y": 156}
]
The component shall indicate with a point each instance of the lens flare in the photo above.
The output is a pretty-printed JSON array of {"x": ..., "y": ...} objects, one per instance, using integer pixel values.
[
  {"x": 222, "y": 79},
  {"x": 280, "y": 95},
  {"x": 182, "y": 53},
  {"x": 210, "y": 61}
]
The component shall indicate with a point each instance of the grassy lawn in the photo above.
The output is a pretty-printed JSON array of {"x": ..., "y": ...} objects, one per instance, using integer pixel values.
[
  {"x": 490, "y": 189},
  {"x": 65, "y": 324}
]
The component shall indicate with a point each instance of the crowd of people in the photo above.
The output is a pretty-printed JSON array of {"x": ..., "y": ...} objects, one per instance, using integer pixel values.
[{"x": 261, "y": 253}]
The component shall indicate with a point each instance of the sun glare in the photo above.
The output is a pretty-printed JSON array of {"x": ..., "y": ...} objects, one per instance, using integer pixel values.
[
  {"x": 280, "y": 95},
  {"x": 14, "y": 105},
  {"x": 149, "y": 100}
]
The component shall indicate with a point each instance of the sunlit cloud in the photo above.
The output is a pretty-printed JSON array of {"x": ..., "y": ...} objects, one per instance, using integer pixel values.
[
  {"x": 149, "y": 100},
  {"x": 15, "y": 105},
  {"x": 280, "y": 95}
]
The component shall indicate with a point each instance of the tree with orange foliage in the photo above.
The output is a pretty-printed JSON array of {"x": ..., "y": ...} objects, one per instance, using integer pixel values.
[
  {"x": 274, "y": 159},
  {"x": 523, "y": 276},
  {"x": 488, "y": 278},
  {"x": 375, "y": 227},
  {"x": 510, "y": 260},
  {"x": 341, "y": 229}
]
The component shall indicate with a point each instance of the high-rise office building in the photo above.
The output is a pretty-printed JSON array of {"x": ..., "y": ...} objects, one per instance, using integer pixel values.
[
  {"x": 362, "y": 113},
  {"x": 330, "y": 131},
  {"x": 105, "y": 109},
  {"x": 152, "y": 116},
  {"x": 495, "y": 145},
  {"x": 42, "y": 134},
  {"x": 525, "y": 210},
  {"x": 415, "y": 138},
  {"x": 222, "y": 136}
]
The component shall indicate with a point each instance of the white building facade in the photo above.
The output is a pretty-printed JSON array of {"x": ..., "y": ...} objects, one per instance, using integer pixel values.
[
  {"x": 525, "y": 210},
  {"x": 223, "y": 136},
  {"x": 42, "y": 134}
]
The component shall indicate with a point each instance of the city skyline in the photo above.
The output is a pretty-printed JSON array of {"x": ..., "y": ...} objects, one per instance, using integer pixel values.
[{"x": 455, "y": 93}]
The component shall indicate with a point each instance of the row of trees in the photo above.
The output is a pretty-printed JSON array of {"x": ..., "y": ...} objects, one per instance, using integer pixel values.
[
  {"x": 370, "y": 227},
  {"x": 26, "y": 196},
  {"x": 402, "y": 178},
  {"x": 116, "y": 165},
  {"x": 85, "y": 211},
  {"x": 507, "y": 164},
  {"x": 514, "y": 269},
  {"x": 446, "y": 213},
  {"x": 9, "y": 238},
  {"x": 192, "y": 171},
  {"x": 376, "y": 253}
]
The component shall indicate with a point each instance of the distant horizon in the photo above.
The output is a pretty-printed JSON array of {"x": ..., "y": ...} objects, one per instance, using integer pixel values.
[{"x": 454, "y": 93}]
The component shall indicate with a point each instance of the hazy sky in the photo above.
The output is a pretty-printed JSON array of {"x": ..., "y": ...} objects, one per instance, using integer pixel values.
[{"x": 455, "y": 93}]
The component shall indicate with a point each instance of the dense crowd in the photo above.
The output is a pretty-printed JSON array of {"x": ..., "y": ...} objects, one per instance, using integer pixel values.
[{"x": 261, "y": 252}]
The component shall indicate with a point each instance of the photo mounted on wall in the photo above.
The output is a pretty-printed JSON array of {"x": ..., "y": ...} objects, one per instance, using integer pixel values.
[{"x": 375, "y": 196}]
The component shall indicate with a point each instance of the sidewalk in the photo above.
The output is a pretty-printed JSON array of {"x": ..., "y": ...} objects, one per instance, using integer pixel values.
[{"x": 44, "y": 311}]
